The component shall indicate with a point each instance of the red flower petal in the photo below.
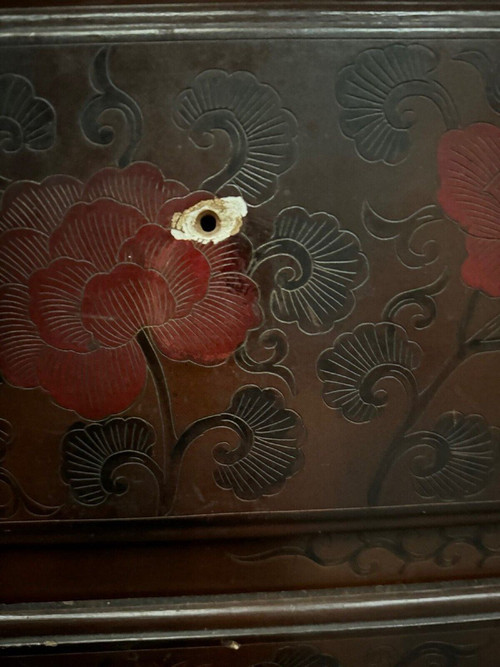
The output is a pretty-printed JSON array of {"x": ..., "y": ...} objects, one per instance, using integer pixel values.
[
  {"x": 216, "y": 325},
  {"x": 469, "y": 167},
  {"x": 22, "y": 251},
  {"x": 95, "y": 384},
  {"x": 184, "y": 268},
  {"x": 140, "y": 184},
  {"x": 55, "y": 307},
  {"x": 219, "y": 322},
  {"x": 179, "y": 205},
  {"x": 39, "y": 206},
  {"x": 20, "y": 344},
  {"x": 118, "y": 304},
  {"x": 95, "y": 232},
  {"x": 481, "y": 269},
  {"x": 233, "y": 254}
]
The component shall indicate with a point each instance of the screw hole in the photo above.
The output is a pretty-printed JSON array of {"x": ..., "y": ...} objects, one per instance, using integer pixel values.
[{"x": 208, "y": 222}]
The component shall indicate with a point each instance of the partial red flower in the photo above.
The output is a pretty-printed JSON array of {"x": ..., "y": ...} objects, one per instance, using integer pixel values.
[
  {"x": 469, "y": 168},
  {"x": 85, "y": 267}
]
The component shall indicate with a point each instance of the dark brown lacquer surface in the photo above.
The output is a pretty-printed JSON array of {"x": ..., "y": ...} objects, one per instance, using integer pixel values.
[
  {"x": 311, "y": 402},
  {"x": 388, "y": 651}
]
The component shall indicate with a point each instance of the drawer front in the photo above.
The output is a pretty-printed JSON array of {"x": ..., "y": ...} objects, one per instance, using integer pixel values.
[{"x": 250, "y": 308}]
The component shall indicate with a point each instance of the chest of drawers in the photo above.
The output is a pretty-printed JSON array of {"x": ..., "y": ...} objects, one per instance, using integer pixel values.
[{"x": 250, "y": 335}]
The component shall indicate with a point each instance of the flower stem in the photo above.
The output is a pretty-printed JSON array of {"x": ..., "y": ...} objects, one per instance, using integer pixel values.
[
  {"x": 20, "y": 497},
  {"x": 169, "y": 437},
  {"x": 483, "y": 340},
  {"x": 422, "y": 400},
  {"x": 192, "y": 433}
]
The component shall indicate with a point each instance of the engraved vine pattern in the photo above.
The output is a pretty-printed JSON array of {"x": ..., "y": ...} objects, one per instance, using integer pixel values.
[
  {"x": 429, "y": 653},
  {"x": 95, "y": 292},
  {"x": 319, "y": 266},
  {"x": 267, "y": 454},
  {"x": 100, "y": 300},
  {"x": 455, "y": 458},
  {"x": 109, "y": 97},
  {"x": 16, "y": 496},
  {"x": 395, "y": 552}
]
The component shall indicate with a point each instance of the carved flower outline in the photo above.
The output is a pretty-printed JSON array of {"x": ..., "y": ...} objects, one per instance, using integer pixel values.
[
  {"x": 469, "y": 169},
  {"x": 89, "y": 450},
  {"x": 358, "y": 360},
  {"x": 465, "y": 449},
  {"x": 316, "y": 289},
  {"x": 25, "y": 119},
  {"x": 85, "y": 267},
  {"x": 300, "y": 656},
  {"x": 262, "y": 132},
  {"x": 270, "y": 452},
  {"x": 370, "y": 92}
]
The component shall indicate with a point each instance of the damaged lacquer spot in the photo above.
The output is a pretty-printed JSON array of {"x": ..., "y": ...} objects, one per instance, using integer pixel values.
[{"x": 211, "y": 220}]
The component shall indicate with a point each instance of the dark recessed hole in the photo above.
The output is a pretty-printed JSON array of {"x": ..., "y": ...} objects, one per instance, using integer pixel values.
[{"x": 208, "y": 222}]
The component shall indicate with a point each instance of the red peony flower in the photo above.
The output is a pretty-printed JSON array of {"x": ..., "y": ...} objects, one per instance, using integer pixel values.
[
  {"x": 469, "y": 167},
  {"x": 85, "y": 267}
]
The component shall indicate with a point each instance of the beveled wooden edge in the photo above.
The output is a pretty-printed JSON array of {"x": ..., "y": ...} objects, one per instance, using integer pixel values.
[
  {"x": 232, "y": 620},
  {"x": 338, "y": 5},
  {"x": 249, "y": 525},
  {"x": 244, "y": 20}
]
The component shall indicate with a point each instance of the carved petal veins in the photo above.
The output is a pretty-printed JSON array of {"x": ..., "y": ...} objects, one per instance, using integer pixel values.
[
  {"x": 359, "y": 359},
  {"x": 90, "y": 453},
  {"x": 371, "y": 90},
  {"x": 25, "y": 120},
  {"x": 261, "y": 132},
  {"x": 270, "y": 454},
  {"x": 316, "y": 290},
  {"x": 465, "y": 448}
]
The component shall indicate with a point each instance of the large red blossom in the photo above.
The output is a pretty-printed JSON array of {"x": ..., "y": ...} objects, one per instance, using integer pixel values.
[
  {"x": 469, "y": 168},
  {"x": 85, "y": 267}
]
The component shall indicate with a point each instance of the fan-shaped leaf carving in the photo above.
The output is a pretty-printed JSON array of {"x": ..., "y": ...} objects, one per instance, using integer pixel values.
[
  {"x": 358, "y": 360},
  {"x": 92, "y": 452},
  {"x": 463, "y": 450},
  {"x": 261, "y": 132},
  {"x": 317, "y": 289},
  {"x": 371, "y": 90},
  {"x": 25, "y": 120}
]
